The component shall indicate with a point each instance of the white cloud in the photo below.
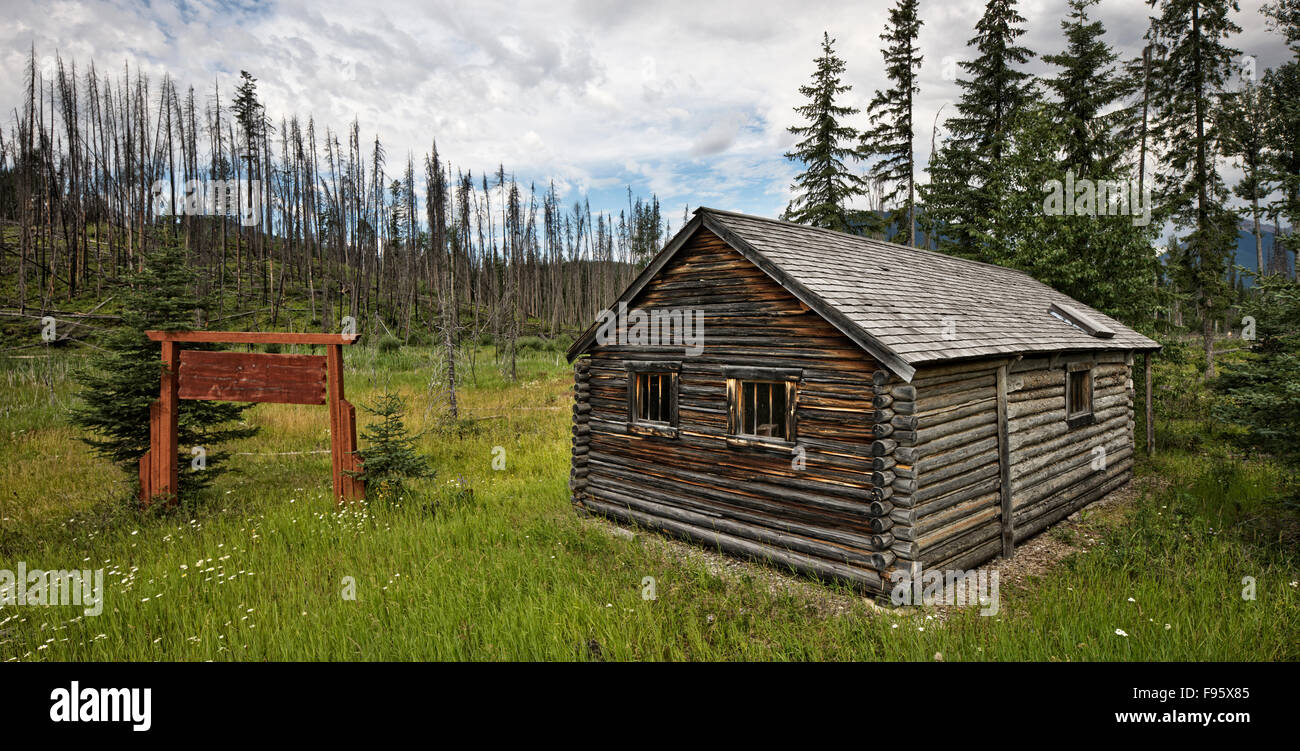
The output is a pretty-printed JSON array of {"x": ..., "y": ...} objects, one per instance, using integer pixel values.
[{"x": 691, "y": 99}]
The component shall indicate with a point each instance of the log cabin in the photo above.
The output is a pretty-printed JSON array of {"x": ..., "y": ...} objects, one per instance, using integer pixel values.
[{"x": 846, "y": 407}]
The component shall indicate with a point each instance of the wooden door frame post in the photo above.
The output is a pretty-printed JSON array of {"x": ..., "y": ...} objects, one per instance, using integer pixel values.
[
  {"x": 1151, "y": 426},
  {"x": 1004, "y": 466}
]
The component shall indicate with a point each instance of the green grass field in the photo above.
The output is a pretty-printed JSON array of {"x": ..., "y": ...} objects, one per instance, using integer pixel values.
[{"x": 258, "y": 567}]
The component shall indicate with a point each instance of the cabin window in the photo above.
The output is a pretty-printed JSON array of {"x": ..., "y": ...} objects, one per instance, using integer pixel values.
[
  {"x": 761, "y": 405},
  {"x": 652, "y": 397},
  {"x": 1078, "y": 396}
]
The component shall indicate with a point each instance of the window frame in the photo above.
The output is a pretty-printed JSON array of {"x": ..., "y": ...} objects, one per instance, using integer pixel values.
[
  {"x": 736, "y": 378},
  {"x": 1086, "y": 415},
  {"x": 635, "y": 424}
]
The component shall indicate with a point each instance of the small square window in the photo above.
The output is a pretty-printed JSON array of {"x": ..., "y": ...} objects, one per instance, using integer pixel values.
[
  {"x": 761, "y": 405},
  {"x": 652, "y": 397},
  {"x": 762, "y": 409}
]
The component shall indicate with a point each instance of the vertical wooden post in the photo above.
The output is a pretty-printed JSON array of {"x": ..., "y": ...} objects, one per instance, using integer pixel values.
[
  {"x": 165, "y": 418},
  {"x": 353, "y": 487},
  {"x": 1151, "y": 425},
  {"x": 150, "y": 484},
  {"x": 334, "y": 367},
  {"x": 1004, "y": 466}
]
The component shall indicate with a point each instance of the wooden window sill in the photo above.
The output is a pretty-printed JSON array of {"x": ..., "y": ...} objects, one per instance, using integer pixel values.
[
  {"x": 758, "y": 442},
  {"x": 663, "y": 431}
]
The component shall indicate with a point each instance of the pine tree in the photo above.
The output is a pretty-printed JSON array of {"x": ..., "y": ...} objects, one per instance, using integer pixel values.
[
  {"x": 1258, "y": 391},
  {"x": 389, "y": 458},
  {"x": 890, "y": 137},
  {"x": 1191, "y": 80},
  {"x": 120, "y": 381},
  {"x": 827, "y": 185},
  {"x": 993, "y": 90},
  {"x": 1245, "y": 121},
  {"x": 1102, "y": 258},
  {"x": 1281, "y": 93},
  {"x": 1086, "y": 89}
]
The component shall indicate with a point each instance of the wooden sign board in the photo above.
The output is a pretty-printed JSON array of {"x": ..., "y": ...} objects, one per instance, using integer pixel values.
[
  {"x": 248, "y": 377},
  {"x": 252, "y": 377}
]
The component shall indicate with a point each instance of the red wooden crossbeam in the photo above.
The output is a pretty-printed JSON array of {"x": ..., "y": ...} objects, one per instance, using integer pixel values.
[
  {"x": 248, "y": 377},
  {"x": 248, "y": 337}
]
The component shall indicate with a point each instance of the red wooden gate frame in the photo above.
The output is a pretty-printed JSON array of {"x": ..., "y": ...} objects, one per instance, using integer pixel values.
[{"x": 248, "y": 377}]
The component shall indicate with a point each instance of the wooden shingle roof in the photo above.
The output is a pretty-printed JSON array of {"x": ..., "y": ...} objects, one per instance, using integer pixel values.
[{"x": 907, "y": 306}]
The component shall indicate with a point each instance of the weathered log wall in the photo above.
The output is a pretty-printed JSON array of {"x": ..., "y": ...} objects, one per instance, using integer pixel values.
[
  {"x": 948, "y": 473},
  {"x": 1056, "y": 469},
  {"x": 813, "y": 507},
  {"x": 946, "y": 491}
]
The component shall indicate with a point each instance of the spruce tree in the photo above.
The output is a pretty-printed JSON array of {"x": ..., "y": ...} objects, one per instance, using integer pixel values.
[
  {"x": 1259, "y": 391},
  {"x": 822, "y": 192},
  {"x": 1086, "y": 88},
  {"x": 1102, "y": 258},
  {"x": 1192, "y": 78},
  {"x": 390, "y": 458},
  {"x": 1245, "y": 135},
  {"x": 120, "y": 381},
  {"x": 993, "y": 90},
  {"x": 889, "y": 140},
  {"x": 1281, "y": 92}
]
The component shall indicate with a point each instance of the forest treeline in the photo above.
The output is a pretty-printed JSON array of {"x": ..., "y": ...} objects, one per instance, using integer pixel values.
[
  {"x": 1135, "y": 148},
  {"x": 280, "y": 214},
  {"x": 97, "y": 170}
]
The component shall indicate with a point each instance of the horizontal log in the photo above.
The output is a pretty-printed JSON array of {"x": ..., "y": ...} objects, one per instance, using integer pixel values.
[
  {"x": 869, "y": 581},
  {"x": 928, "y": 403},
  {"x": 1027, "y": 527},
  {"x": 933, "y": 373},
  {"x": 927, "y": 435},
  {"x": 960, "y": 438},
  {"x": 1029, "y": 493},
  {"x": 964, "y": 493},
  {"x": 959, "y": 545},
  {"x": 1068, "y": 460},
  {"x": 845, "y": 548}
]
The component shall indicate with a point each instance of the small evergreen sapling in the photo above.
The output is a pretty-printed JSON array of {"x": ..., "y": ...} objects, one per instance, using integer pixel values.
[
  {"x": 1261, "y": 392},
  {"x": 120, "y": 381},
  {"x": 390, "y": 458}
]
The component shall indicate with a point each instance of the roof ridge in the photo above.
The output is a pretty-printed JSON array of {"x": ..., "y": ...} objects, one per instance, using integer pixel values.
[{"x": 860, "y": 238}]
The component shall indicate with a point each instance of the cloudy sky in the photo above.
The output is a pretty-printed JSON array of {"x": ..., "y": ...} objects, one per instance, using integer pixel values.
[{"x": 688, "y": 99}]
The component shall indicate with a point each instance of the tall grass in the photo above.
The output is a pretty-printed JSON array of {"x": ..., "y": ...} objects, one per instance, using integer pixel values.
[{"x": 493, "y": 564}]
